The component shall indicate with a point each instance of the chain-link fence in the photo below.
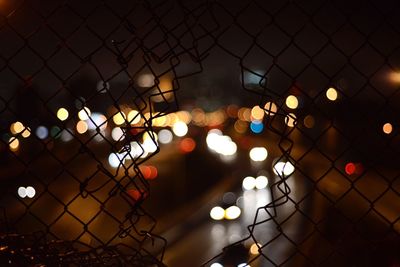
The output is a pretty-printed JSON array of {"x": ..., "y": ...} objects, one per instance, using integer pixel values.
[{"x": 326, "y": 74}]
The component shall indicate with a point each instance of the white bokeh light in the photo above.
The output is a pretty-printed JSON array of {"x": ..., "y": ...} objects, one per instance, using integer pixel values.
[
  {"x": 249, "y": 183},
  {"x": 30, "y": 192},
  {"x": 180, "y": 128},
  {"x": 261, "y": 182},
  {"x": 21, "y": 192},
  {"x": 217, "y": 213},
  {"x": 283, "y": 168},
  {"x": 165, "y": 136},
  {"x": 258, "y": 154}
]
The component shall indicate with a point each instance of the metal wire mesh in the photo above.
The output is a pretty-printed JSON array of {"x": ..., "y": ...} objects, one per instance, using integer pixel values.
[{"x": 300, "y": 48}]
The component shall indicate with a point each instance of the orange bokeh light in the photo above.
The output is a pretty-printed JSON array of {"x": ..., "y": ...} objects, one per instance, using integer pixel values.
[{"x": 187, "y": 145}]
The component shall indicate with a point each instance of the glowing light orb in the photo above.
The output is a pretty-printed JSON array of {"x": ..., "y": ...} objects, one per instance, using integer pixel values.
[
  {"x": 81, "y": 127},
  {"x": 21, "y": 192},
  {"x": 232, "y": 213},
  {"x": 270, "y": 108},
  {"x": 42, "y": 132},
  {"x": 256, "y": 127},
  {"x": 283, "y": 168},
  {"x": 292, "y": 102},
  {"x": 62, "y": 114},
  {"x": 217, "y": 213},
  {"x": 261, "y": 182},
  {"x": 387, "y": 128},
  {"x": 119, "y": 118},
  {"x": 133, "y": 117},
  {"x": 331, "y": 94},
  {"x": 249, "y": 183},
  {"x": 180, "y": 128},
  {"x": 30, "y": 192},
  {"x": 165, "y": 136},
  {"x": 258, "y": 154},
  {"x": 84, "y": 114}
]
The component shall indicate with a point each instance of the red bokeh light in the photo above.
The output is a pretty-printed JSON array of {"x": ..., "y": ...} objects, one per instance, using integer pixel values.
[
  {"x": 149, "y": 172},
  {"x": 187, "y": 145},
  {"x": 350, "y": 168},
  {"x": 137, "y": 195}
]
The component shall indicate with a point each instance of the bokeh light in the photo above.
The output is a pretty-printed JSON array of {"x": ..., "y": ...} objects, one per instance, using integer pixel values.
[
  {"x": 216, "y": 264},
  {"x": 117, "y": 134},
  {"x": 13, "y": 144},
  {"x": 119, "y": 118},
  {"x": 283, "y": 168},
  {"x": 21, "y": 192},
  {"x": 261, "y": 182},
  {"x": 331, "y": 94},
  {"x": 350, "y": 168},
  {"x": 42, "y": 132},
  {"x": 16, "y": 127},
  {"x": 309, "y": 121},
  {"x": 133, "y": 117},
  {"x": 81, "y": 127},
  {"x": 26, "y": 133},
  {"x": 97, "y": 120},
  {"x": 254, "y": 249},
  {"x": 232, "y": 213},
  {"x": 256, "y": 127},
  {"x": 62, "y": 114},
  {"x": 257, "y": 113},
  {"x": 187, "y": 145},
  {"x": 180, "y": 128},
  {"x": 30, "y": 192},
  {"x": 270, "y": 108},
  {"x": 249, "y": 183},
  {"x": 387, "y": 128},
  {"x": 290, "y": 120},
  {"x": 217, "y": 213},
  {"x": 165, "y": 136},
  {"x": 145, "y": 80},
  {"x": 258, "y": 154},
  {"x": 292, "y": 102},
  {"x": 84, "y": 113}
]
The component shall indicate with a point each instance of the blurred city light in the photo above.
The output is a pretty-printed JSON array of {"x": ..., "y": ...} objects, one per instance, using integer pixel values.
[
  {"x": 350, "y": 168},
  {"x": 256, "y": 127},
  {"x": 62, "y": 114},
  {"x": 257, "y": 113},
  {"x": 26, "y": 133},
  {"x": 117, "y": 134},
  {"x": 261, "y": 182},
  {"x": 331, "y": 94},
  {"x": 30, "y": 192},
  {"x": 165, "y": 136},
  {"x": 387, "y": 128},
  {"x": 97, "y": 120},
  {"x": 216, "y": 264},
  {"x": 270, "y": 108},
  {"x": 309, "y": 121},
  {"x": 243, "y": 265},
  {"x": 42, "y": 132},
  {"x": 13, "y": 144},
  {"x": 115, "y": 159},
  {"x": 81, "y": 127},
  {"x": 16, "y": 127},
  {"x": 102, "y": 86},
  {"x": 66, "y": 135},
  {"x": 283, "y": 168},
  {"x": 258, "y": 154},
  {"x": 394, "y": 77},
  {"x": 21, "y": 192},
  {"x": 292, "y": 102},
  {"x": 119, "y": 118},
  {"x": 254, "y": 249},
  {"x": 290, "y": 120},
  {"x": 217, "y": 213},
  {"x": 187, "y": 145},
  {"x": 232, "y": 213},
  {"x": 84, "y": 114},
  {"x": 180, "y": 128},
  {"x": 240, "y": 126},
  {"x": 133, "y": 117},
  {"x": 249, "y": 183},
  {"x": 145, "y": 80}
]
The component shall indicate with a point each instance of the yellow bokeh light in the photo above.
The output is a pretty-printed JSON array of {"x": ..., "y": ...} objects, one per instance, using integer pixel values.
[
  {"x": 81, "y": 127},
  {"x": 290, "y": 120},
  {"x": 26, "y": 133},
  {"x": 119, "y": 118},
  {"x": 292, "y": 102},
  {"x": 395, "y": 77},
  {"x": 270, "y": 108},
  {"x": 62, "y": 114},
  {"x": 257, "y": 113},
  {"x": 84, "y": 114},
  {"x": 184, "y": 116},
  {"x": 150, "y": 136},
  {"x": 254, "y": 249},
  {"x": 133, "y": 117},
  {"x": 16, "y": 127},
  {"x": 331, "y": 94},
  {"x": 387, "y": 128},
  {"x": 244, "y": 114},
  {"x": 13, "y": 143},
  {"x": 241, "y": 126}
]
